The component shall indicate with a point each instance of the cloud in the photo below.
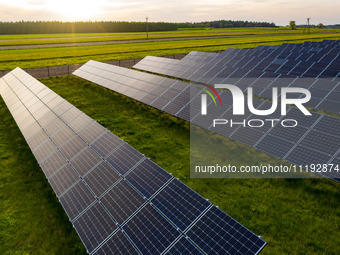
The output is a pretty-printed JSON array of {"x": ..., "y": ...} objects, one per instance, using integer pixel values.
[
  {"x": 10, "y": 13},
  {"x": 277, "y": 11}
]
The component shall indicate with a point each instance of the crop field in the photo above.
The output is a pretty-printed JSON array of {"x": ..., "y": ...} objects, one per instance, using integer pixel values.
[
  {"x": 9, "y": 40},
  {"x": 130, "y": 46},
  {"x": 294, "y": 216}
]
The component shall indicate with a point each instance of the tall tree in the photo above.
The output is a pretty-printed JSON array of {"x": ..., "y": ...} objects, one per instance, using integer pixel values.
[
  {"x": 292, "y": 24},
  {"x": 320, "y": 25}
]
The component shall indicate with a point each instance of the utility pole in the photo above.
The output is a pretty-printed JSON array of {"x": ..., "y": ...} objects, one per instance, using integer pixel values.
[
  {"x": 307, "y": 27},
  {"x": 147, "y": 28}
]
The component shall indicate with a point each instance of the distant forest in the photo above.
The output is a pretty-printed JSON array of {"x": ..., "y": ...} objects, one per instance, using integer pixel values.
[
  {"x": 225, "y": 24},
  {"x": 54, "y": 27}
]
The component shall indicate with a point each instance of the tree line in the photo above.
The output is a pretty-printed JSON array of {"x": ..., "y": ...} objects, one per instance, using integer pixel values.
[
  {"x": 225, "y": 24},
  {"x": 54, "y": 27}
]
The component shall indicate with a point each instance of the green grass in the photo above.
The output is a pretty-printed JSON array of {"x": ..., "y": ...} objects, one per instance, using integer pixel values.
[
  {"x": 179, "y": 31},
  {"x": 294, "y": 216},
  {"x": 154, "y": 35},
  {"x": 31, "y": 219},
  {"x": 42, "y": 57},
  {"x": 34, "y": 36}
]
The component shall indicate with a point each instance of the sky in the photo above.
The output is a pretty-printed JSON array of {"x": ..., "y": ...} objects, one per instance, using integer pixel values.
[{"x": 277, "y": 11}]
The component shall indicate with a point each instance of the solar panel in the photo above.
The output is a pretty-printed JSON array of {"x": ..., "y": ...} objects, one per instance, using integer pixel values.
[
  {"x": 183, "y": 247},
  {"x": 122, "y": 201},
  {"x": 329, "y": 125},
  {"x": 180, "y": 204},
  {"x": 70, "y": 115},
  {"x": 276, "y": 141},
  {"x": 52, "y": 164},
  {"x": 63, "y": 179},
  {"x": 124, "y": 158},
  {"x": 54, "y": 127},
  {"x": 72, "y": 147},
  {"x": 85, "y": 161},
  {"x": 94, "y": 226},
  {"x": 151, "y": 233},
  {"x": 36, "y": 138},
  {"x": 275, "y": 146},
  {"x": 101, "y": 178},
  {"x": 148, "y": 178},
  {"x": 64, "y": 135},
  {"x": 282, "y": 61},
  {"x": 318, "y": 141},
  {"x": 248, "y": 136},
  {"x": 112, "y": 213},
  {"x": 91, "y": 132},
  {"x": 303, "y": 156},
  {"x": 117, "y": 244},
  {"x": 80, "y": 122},
  {"x": 76, "y": 199},
  {"x": 290, "y": 134},
  {"x": 216, "y": 224},
  {"x": 44, "y": 150}
]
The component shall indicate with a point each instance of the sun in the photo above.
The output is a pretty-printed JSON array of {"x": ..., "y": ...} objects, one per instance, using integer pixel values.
[{"x": 74, "y": 10}]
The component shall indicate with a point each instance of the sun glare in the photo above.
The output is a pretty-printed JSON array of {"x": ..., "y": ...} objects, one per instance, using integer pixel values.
[{"x": 74, "y": 10}]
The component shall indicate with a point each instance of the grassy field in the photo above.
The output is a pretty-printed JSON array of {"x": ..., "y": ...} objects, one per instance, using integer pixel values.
[
  {"x": 294, "y": 216},
  {"x": 179, "y": 31},
  {"x": 42, "y": 57},
  {"x": 153, "y": 35}
]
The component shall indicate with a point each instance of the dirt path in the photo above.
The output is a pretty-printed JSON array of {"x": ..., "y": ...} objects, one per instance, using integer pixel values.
[{"x": 125, "y": 35}]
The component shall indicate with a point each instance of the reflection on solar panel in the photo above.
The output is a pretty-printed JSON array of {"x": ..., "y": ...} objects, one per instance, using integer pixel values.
[
  {"x": 317, "y": 133},
  {"x": 289, "y": 61},
  {"x": 118, "y": 201}
]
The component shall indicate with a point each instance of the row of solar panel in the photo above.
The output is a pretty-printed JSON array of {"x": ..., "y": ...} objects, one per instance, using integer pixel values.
[
  {"x": 304, "y": 52},
  {"x": 117, "y": 200},
  {"x": 252, "y": 64},
  {"x": 324, "y": 92},
  {"x": 265, "y": 55},
  {"x": 316, "y": 135},
  {"x": 276, "y": 54},
  {"x": 320, "y": 47}
]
